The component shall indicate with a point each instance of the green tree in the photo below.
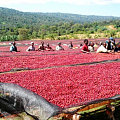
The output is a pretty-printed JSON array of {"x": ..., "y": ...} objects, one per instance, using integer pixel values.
[
  {"x": 112, "y": 33},
  {"x": 23, "y": 34}
]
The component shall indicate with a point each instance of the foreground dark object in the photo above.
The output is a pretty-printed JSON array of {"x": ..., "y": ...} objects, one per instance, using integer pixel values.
[
  {"x": 18, "y": 101},
  {"x": 15, "y": 99}
]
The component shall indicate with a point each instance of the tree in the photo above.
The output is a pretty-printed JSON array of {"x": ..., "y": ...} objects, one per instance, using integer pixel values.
[
  {"x": 23, "y": 34},
  {"x": 112, "y": 33}
]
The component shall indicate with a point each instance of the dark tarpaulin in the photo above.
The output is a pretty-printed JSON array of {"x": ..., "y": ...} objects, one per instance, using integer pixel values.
[{"x": 14, "y": 99}]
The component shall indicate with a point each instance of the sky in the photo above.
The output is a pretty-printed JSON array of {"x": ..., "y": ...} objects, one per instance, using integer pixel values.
[{"x": 83, "y": 7}]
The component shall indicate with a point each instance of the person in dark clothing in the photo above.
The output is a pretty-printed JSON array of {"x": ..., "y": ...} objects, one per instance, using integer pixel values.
[
  {"x": 41, "y": 47},
  {"x": 48, "y": 48},
  {"x": 117, "y": 47},
  {"x": 109, "y": 46},
  {"x": 70, "y": 45}
]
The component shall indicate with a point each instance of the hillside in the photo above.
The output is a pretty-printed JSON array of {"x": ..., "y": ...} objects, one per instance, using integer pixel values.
[
  {"x": 82, "y": 18},
  {"x": 14, "y": 17},
  {"x": 17, "y": 25}
]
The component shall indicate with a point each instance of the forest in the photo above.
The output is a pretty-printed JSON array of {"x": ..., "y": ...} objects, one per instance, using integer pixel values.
[{"x": 17, "y": 25}]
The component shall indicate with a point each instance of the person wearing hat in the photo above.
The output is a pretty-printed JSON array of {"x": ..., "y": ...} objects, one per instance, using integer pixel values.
[
  {"x": 13, "y": 47},
  {"x": 59, "y": 47},
  {"x": 32, "y": 47},
  {"x": 112, "y": 42}
]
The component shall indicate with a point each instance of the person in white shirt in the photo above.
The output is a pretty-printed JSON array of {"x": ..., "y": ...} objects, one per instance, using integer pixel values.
[
  {"x": 91, "y": 47},
  {"x": 102, "y": 49},
  {"x": 32, "y": 47},
  {"x": 59, "y": 47}
]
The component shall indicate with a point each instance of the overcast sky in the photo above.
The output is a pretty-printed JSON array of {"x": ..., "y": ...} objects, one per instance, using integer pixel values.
[{"x": 84, "y": 7}]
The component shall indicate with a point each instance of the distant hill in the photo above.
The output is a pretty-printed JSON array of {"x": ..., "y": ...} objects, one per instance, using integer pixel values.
[
  {"x": 11, "y": 17},
  {"x": 81, "y": 18},
  {"x": 17, "y": 25}
]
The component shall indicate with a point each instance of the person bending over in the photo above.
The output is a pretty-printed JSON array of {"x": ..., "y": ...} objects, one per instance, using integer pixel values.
[{"x": 102, "y": 48}]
